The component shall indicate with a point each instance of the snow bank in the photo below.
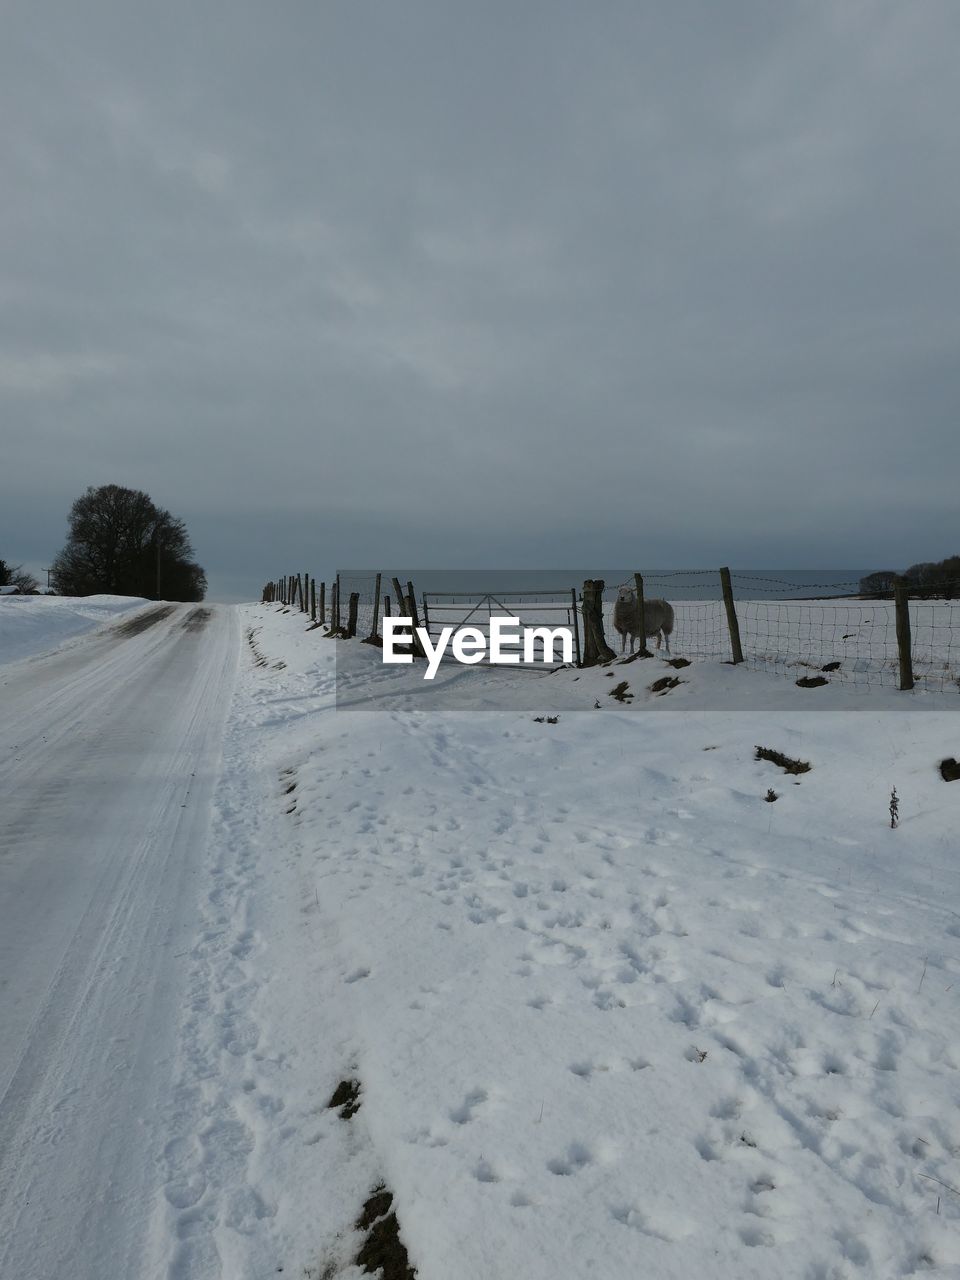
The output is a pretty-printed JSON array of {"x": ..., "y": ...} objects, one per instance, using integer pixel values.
[
  {"x": 613, "y": 1012},
  {"x": 35, "y": 624}
]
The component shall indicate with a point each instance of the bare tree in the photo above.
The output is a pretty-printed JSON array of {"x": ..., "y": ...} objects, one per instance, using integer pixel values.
[{"x": 121, "y": 543}]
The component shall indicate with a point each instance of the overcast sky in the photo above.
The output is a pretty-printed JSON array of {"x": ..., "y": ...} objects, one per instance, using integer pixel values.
[{"x": 515, "y": 284}]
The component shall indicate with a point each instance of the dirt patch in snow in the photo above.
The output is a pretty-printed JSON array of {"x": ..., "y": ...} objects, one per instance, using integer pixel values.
[
  {"x": 346, "y": 1096},
  {"x": 785, "y": 762},
  {"x": 260, "y": 659},
  {"x": 383, "y": 1251},
  {"x": 664, "y": 684}
]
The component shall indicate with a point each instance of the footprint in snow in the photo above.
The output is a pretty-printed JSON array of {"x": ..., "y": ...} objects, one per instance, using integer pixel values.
[
  {"x": 464, "y": 1113},
  {"x": 577, "y": 1157}
]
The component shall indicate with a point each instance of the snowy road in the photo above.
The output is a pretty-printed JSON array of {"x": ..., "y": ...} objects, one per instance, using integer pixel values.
[{"x": 109, "y": 751}]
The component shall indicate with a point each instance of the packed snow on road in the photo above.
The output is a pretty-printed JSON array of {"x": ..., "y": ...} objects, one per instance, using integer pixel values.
[{"x": 292, "y": 987}]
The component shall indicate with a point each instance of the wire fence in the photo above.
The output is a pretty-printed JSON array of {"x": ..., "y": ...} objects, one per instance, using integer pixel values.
[
  {"x": 804, "y": 630},
  {"x": 854, "y": 642}
]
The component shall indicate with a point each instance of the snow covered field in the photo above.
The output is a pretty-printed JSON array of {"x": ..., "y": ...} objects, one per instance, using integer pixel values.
[
  {"x": 36, "y": 624},
  {"x": 611, "y": 1013}
]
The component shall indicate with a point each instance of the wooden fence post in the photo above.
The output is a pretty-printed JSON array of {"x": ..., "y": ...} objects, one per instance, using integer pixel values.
[
  {"x": 323, "y": 604},
  {"x": 641, "y": 616},
  {"x": 414, "y": 614},
  {"x": 595, "y": 647},
  {"x": 313, "y": 599},
  {"x": 352, "y": 614},
  {"x": 335, "y": 606},
  {"x": 576, "y": 625},
  {"x": 376, "y": 610},
  {"x": 901, "y": 605},
  {"x": 407, "y": 602},
  {"x": 732, "y": 621}
]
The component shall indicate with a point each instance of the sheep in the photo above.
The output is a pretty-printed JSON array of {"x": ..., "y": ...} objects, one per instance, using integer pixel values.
[{"x": 657, "y": 619}]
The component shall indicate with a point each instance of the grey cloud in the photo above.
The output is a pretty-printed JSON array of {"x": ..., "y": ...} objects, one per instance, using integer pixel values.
[{"x": 470, "y": 283}]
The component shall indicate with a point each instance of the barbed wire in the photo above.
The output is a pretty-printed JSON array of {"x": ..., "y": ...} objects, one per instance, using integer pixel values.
[{"x": 794, "y": 586}]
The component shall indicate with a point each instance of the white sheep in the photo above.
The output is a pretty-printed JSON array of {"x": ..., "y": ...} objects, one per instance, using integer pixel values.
[{"x": 657, "y": 618}]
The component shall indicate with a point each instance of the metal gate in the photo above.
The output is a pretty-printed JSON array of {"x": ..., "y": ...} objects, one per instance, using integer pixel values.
[{"x": 472, "y": 609}]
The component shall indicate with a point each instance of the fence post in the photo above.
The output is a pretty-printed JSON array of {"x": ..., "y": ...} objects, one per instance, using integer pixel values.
[
  {"x": 641, "y": 616},
  {"x": 412, "y": 598},
  {"x": 407, "y": 603},
  {"x": 576, "y": 624},
  {"x": 901, "y": 605},
  {"x": 306, "y": 593},
  {"x": 323, "y": 604},
  {"x": 595, "y": 647},
  {"x": 352, "y": 614},
  {"x": 732, "y": 621},
  {"x": 426, "y": 616},
  {"x": 313, "y": 599},
  {"x": 335, "y": 607},
  {"x": 376, "y": 609}
]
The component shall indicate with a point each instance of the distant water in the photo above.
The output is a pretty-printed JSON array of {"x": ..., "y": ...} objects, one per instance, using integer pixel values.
[{"x": 676, "y": 584}]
